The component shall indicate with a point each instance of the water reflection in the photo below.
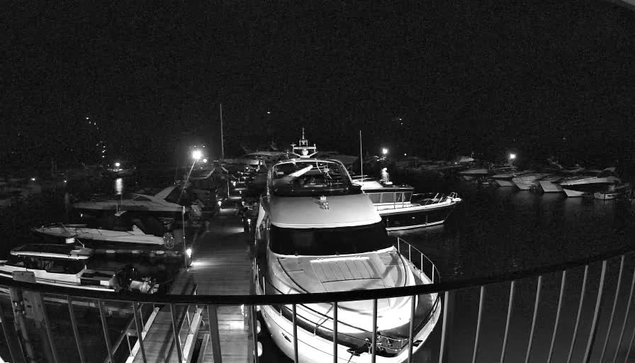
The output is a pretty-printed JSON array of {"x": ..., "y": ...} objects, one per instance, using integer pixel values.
[
  {"x": 502, "y": 230},
  {"x": 119, "y": 186}
]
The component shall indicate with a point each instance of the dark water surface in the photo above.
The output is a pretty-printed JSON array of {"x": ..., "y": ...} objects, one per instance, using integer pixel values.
[{"x": 495, "y": 231}]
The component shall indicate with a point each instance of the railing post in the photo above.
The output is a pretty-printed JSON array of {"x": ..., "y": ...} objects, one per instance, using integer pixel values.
[
  {"x": 478, "y": 322},
  {"x": 444, "y": 329},
  {"x": 71, "y": 312},
  {"x": 628, "y": 309},
  {"x": 295, "y": 334},
  {"x": 212, "y": 313},
  {"x": 6, "y": 333},
  {"x": 533, "y": 320},
  {"x": 617, "y": 293},
  {"x": 411, "y": 327},
  {"x": 335, "y": 331},
  {"x": 563, "y": 284},
  {"x": 510, "y": 304},
  {"x": 577, "y": 320},
  {"x": 175, "y": 333},
  {"x": 254, "y": 328},
  {"x": 374, "y": 340},
  {"x": 104, "y": 325},
  {"x": 596, "y": 315},
  {"x": 139, "y": 328}
]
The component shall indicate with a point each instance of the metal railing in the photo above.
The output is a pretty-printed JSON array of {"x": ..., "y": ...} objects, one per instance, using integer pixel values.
[{"x": 578, "y": 311}]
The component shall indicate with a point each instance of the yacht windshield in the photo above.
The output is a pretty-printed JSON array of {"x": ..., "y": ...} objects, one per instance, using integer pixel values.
[
  {"x": 329, "y": 241},
  {"x": 308, "y": 177}
]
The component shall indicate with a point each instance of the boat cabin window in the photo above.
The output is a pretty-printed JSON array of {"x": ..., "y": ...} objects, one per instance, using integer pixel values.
[
  {"x": 329, "y": 241},
  {"x": 64, "y": 266},
  {"x": 390, "y": 197},
  {"x": 310, "y": 177}
]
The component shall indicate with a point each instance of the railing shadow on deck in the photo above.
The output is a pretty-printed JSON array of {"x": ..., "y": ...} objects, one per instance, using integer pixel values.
[{"x": 578, "y": 311}]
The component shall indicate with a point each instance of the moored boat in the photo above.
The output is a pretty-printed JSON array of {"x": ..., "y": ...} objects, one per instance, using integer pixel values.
[
  {"x": 401, "y": 208},
  {"x": 317, "y": 232},
  {"x": 589, "y": 183},
  {"x": 67, "y": 266}
]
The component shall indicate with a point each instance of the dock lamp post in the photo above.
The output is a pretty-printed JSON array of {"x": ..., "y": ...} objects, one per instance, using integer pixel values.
[
  {"x": 512, "y": 157},
  {"x": 196, "y": 155}
]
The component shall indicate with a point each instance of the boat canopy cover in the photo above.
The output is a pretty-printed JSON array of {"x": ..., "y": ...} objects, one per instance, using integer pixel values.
[
  {"x": 322, "y": 211},
  {"x": 53, "y": 251}
]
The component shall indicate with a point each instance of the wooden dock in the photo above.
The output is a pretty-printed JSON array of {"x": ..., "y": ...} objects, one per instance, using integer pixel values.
[{"x": 221, "y": 266}]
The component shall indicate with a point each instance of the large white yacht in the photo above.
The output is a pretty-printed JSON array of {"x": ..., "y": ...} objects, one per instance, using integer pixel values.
[
  {"x": 589, "y": 183},
  {"x": 317, "y": 232}
]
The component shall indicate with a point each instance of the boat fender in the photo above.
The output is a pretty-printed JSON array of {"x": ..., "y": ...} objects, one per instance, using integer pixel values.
[{"x": 168, "y": 240}]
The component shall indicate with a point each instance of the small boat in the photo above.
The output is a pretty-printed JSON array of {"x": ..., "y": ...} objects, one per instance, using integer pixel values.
[
  {"x": 170, "y": 202},
  {"x": 528, "y": 181},
  {"x": 401, "y": 208},
  {"x": 67, "y": 266},
  {"x": 322, "y": 234},
  {"x": 613, "y": 192},
  {"x": 114, "y": 230}
]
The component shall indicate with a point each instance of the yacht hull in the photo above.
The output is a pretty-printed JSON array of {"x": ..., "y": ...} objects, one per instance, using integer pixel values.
[
  {"x": 413, "y": 215},
  {"x": 504, "y": 183},
  {"x": 550, "y": 187},
  {"x": 315, "y": 349}
]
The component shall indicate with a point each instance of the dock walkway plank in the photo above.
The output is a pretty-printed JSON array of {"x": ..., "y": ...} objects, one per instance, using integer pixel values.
[{"x": 221, "y": 266}]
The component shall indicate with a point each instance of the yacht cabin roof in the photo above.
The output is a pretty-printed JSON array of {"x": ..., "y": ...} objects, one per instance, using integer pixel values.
[{"x": 322, "y": 211}]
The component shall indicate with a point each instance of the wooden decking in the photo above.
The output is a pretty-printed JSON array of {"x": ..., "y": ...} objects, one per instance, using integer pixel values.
[{"x": 221, "y": 266}]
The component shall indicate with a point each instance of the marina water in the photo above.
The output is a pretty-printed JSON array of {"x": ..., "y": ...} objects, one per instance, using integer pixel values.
[{"x": 493, "y": 231}]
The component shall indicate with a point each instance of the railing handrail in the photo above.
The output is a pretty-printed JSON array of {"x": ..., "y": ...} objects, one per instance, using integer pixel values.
[{"x": 320, "y": 297}]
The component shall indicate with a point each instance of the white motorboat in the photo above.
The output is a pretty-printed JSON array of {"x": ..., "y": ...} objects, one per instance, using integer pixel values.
[
  {"x": 113, "y": 230},
  {"x": 613, "y": 192},
  {"x": 550, "y": 184},
  {"x": 586, "y": 184},
  {"x": 66, "y": 266},
  {"x": 528, "y": 181},
  {"x": 317, "y": 232},
  {"x": 401, "y": 208},
  {"x": 170, "y": 202},
  {"x": 503, "y": 175}
]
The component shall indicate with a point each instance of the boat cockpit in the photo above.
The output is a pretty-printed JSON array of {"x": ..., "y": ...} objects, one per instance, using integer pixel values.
[{"x": 304, "y": 177}]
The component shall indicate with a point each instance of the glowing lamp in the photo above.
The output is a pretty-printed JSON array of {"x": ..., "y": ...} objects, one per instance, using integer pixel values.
[
  {"x": 512, "y": 156},
  {"x": 197, "y": 154},
  {"x": 117, "y": 165},
  {"x": 384, "y": 151},
  {"x": 189, "y": 252}
]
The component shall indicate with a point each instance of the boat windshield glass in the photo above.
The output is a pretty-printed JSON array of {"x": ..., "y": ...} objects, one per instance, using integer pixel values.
[
  {"x": 309, "y": 177},
  {"x": 329, "y": 241}
]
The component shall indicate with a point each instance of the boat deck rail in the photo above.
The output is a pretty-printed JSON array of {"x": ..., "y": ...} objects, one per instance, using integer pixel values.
[{"x": 600, "y": 288}]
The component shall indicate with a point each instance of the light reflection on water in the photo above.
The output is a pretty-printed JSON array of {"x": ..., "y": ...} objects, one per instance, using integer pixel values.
[
  {"x": 119, "y": 186},
  {"x": 500, "y": 230}
]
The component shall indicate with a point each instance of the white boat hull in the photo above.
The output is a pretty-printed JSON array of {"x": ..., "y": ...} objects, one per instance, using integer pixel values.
[
  {"x": 313, "y": 348},
  {"x": 550, "y": 187},
  {"x": 571, "y": 193},
  {"x": 105, "y": 235},
  {"x": 504, "y": 183}
]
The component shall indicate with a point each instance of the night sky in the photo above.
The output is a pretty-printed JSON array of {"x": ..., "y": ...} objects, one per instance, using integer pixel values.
[{"x": 545, "y": 77}]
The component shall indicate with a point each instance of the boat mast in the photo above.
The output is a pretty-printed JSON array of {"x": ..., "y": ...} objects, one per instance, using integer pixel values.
[
  {"x": 361, "y": 156},
  {"x": 222, "y": 146}
]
